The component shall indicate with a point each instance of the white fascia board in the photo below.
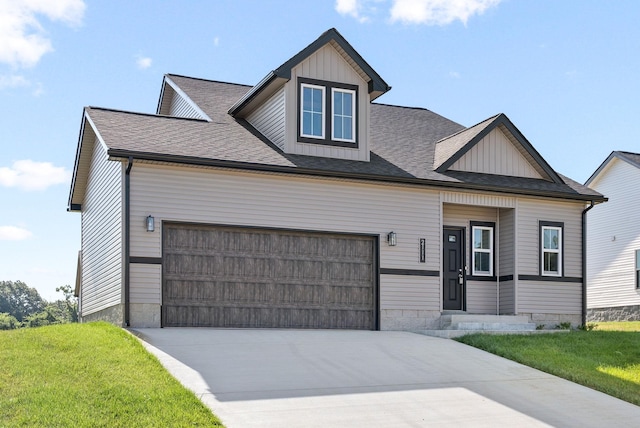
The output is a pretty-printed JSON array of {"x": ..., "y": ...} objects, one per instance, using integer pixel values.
[{"x": 186, "y": 97}]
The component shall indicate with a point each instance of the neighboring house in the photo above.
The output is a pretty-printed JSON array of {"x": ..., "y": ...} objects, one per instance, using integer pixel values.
[
  {"x": 613, "y": 244},
  {"x": 300, "y": 203}
]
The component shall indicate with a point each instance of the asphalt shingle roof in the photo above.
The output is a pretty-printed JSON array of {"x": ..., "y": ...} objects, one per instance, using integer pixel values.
[{"x": 403, "y": 143}]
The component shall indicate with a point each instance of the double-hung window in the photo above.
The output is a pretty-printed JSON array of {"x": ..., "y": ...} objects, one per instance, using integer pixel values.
[
  {"x": 327, "y": 113},
  {"x": 312, "y": 111},
  {"x": 482, "y": 243},
  {"x": 637, "y": 268},
  {"x": 551, "y": 234},
  {"x": 344, "y": 106}
]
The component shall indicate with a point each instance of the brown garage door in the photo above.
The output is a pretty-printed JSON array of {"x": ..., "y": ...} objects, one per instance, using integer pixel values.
[{"x": 239, "y": 277}]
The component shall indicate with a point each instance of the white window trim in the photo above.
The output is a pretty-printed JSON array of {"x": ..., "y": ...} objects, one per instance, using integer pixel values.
[
  {"x": 353, "y": 115},
  {"x": 475, "y": 250},
  {"x": 550, "y": 250},
  {"x": 324, "y": 111}
]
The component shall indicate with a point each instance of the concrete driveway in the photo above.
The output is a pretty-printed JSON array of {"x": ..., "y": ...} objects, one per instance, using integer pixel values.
[{"x": 308, "y": 378}]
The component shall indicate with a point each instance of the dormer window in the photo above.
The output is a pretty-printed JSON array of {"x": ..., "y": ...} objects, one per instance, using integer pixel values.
[
  {"x": 325, "y": 121},
  {"x": 313, "y": 103}
]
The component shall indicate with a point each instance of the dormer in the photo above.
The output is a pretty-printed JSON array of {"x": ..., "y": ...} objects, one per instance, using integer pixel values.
[{"x": 317, "y": 103}]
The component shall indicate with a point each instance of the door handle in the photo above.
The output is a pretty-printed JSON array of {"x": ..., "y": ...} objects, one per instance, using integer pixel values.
[{"x": 460, "y": 277}]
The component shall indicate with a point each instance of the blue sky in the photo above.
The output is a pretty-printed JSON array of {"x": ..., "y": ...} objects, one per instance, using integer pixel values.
[{"x": 565, "y": 72}]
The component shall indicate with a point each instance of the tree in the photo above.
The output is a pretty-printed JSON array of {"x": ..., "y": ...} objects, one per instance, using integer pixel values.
[
  {"x": 70, "y": 303},
  {"x": 8, "y": 322},
  {"x": 19, "y": 300}
]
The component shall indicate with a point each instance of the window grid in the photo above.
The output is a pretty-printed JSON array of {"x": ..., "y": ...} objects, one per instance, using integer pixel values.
[
  {"x": 482, "y": 250},
  {"x": 551, "y": 240},
  {"x": 313, "y": 111},
  {"x": 343, "y": 110}
]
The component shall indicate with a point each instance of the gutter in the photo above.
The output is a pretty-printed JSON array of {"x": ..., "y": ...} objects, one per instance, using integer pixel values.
[
  {"x": 247, "y": 166},
  {"x": 584, "y": 263},
  {"x": 127, "y": 239}
]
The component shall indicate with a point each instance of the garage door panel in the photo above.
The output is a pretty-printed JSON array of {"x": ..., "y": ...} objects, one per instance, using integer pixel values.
[{"x": 234, "y": 277}]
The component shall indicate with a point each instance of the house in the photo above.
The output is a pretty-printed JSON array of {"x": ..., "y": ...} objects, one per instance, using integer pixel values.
[
  {"x": 300, "y": 202},
  {"x": 613, "y": 241}
]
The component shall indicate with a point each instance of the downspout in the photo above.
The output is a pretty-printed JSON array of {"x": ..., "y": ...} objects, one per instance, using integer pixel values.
[
  {"x": 127, "y": 238},
  {"x": 584, "y": 263}
]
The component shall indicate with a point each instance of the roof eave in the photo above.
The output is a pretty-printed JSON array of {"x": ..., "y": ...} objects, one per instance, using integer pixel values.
[{"x": 187, "y": 160}]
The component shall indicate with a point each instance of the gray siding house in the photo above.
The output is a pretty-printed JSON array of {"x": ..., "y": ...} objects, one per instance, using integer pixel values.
[
  {"x": 613, "y": 243},
  {"x": 301, "y": 203}
]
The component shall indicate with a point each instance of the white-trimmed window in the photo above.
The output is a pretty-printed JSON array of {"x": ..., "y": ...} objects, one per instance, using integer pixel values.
[
  {"x": 482, "y": 243},
  {"x": 551, "y": 248},
  {"x": 327, "y": 113},
  {"x": 312, "y": 111},
  {"x": 344, "y": 106},
  {"x": 637, "y": 268}
]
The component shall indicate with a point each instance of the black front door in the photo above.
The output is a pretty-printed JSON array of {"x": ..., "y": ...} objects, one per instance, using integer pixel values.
[{"x": 453, "y": 269}]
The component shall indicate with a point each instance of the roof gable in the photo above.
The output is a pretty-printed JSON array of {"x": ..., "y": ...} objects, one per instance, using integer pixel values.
[
  {"x": 276, "y": 78},
  {"x": 494, "y": 146},
  {"x": 628, "y": 157},
  {"x": 175, "y": 102}
]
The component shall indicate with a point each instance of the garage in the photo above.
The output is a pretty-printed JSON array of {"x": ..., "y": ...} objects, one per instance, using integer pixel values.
[{"x": 219, "y": 276}]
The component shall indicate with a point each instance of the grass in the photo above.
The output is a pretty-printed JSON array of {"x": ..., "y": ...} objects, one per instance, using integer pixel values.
[
  {"x": 89, "y": 375},
  {"x": 617, "y": 326},
  {"x": 602, "y": 359}
]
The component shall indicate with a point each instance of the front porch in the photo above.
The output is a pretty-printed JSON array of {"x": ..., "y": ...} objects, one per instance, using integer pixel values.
[{"x": 456, "y": 324}]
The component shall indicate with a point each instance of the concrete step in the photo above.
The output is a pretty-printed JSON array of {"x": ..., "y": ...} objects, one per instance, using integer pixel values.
[
  {"x": 494, "y": 326},
  {"x": 503, "y": 319},
  {"x": 449, "y": 334}
]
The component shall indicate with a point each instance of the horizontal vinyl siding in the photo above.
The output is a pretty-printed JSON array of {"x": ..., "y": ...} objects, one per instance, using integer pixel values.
[
  {"x": 549, "y": 296},
  {"x": 233, "y": 198},
  {"x": 328, "y": 65},
  {"x": 102, "y": 235},
  {"x": 613, "y": 236},
  {"x": 181, "y": 107},
  {"x": 495, "y": 154},
  {"x": 530, "y": 213},
  {"x": 461, "y": 216},
  {"x": 146, "y": 279},
  {"x": 506, "y": 260},
  {"x": 410, "y": 292},
  {"x": 543, "y": 297},
  {"x": 482, "y": 297},
  {"x": 269, "y": 119},
  {"x": 507, "y": 297}
]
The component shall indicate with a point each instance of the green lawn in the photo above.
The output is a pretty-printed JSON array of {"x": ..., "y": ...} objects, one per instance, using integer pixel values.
[
  {"x": 89, "y": 375},
  {"x": 608, "y": 361}
]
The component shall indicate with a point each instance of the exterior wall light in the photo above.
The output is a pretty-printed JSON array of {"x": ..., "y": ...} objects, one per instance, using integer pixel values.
[
  {"x": 392, "y": 239},
  {"x": 151, "y": 224}
]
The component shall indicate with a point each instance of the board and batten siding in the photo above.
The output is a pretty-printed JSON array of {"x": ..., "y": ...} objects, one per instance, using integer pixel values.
[
  {"x": 496, "y": 154},
  {"x": 102, "y": 234},
  {"x": 328, "y": 65},
  {"x": 549, "y": 296},
  {"x": 613, "y": 236},
  {"x": 269, "y": 118},
  {"x": 210, "y": 196}
]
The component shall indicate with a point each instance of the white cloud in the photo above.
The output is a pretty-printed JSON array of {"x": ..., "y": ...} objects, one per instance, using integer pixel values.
[
  {"x": 355, "y": 8},
  {"x": 216, "y": 41},
  {"x": 143, "y": 62},
  {"x": 438, "y": 12},
  {"x": 12, "y": 81},
  {"x": 13, "y": 233},
  {"x": 454, "y": 74},
  {"x": 29, "y": 175},
  {"x": 23, "y": 40}
]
